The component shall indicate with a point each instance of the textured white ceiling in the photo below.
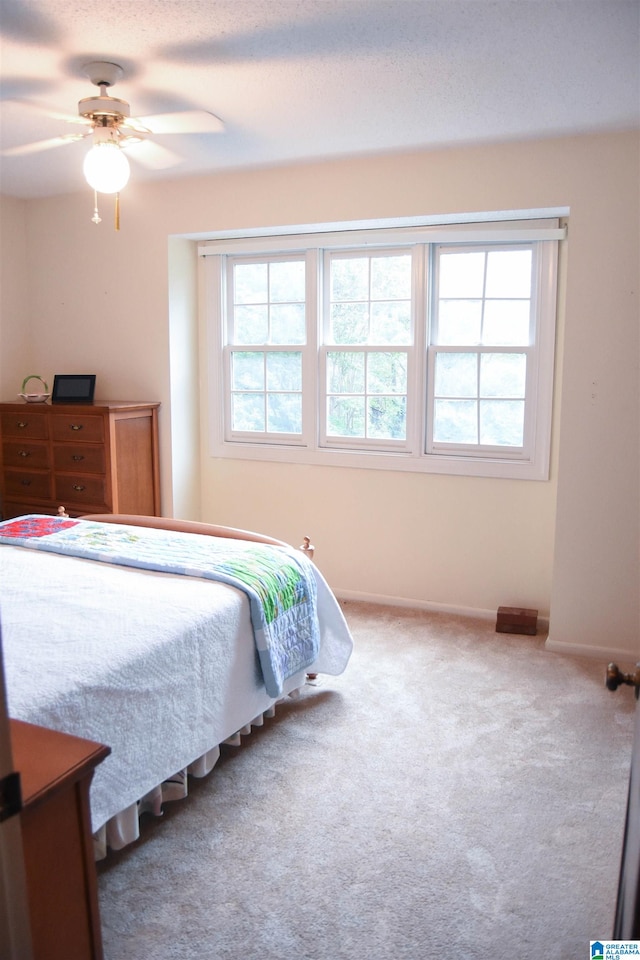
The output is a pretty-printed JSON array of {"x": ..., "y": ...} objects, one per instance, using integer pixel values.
[{"x": 294, "y": 79}]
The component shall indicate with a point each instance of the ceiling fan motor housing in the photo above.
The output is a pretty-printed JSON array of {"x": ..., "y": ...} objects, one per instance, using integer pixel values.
[{"x": 98, "y": 107}]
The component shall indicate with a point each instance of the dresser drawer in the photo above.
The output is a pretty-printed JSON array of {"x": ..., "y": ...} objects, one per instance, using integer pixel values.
[
  {"x": 79, "y": 489},
  {"x": 22, "y": 484},
  {"x": 78, "y": 428},
  {"x": 33, "y": 426},
  {"x": 78, "y": 457},
  {"x": 30, "y": 454}
]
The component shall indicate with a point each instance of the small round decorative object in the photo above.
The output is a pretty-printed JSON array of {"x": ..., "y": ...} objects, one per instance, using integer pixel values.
[
  {"x": 34, "y": 397},
  {"x": 307, "y": 547}
]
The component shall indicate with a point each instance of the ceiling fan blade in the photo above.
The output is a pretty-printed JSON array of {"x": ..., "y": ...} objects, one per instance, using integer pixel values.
[
  {"x": 187, "y": 121},
  {"x": 152, "y": 155},
  {"x": 49, "y": 111},
  {"x": 28, "y": 148}
]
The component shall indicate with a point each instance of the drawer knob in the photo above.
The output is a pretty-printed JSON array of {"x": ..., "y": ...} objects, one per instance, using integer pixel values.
[
  {"x": 76, "y": 426},
  {"x": 24, "y": 453},
  {"x": 26, "y": 483},
  {"x": 21, "y": 424},
  {"x": 77, "y": 457},
  {"x": 78, "y": 486}
]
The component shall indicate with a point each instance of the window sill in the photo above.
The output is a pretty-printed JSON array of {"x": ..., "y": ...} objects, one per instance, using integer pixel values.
[{"x": 400, "y": 462}]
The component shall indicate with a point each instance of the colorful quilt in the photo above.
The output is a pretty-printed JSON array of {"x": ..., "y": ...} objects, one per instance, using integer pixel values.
[{"x": 280, "y": 584}]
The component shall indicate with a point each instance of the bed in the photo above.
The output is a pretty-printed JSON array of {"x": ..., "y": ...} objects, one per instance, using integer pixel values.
[{"x": 108, "y": 637}]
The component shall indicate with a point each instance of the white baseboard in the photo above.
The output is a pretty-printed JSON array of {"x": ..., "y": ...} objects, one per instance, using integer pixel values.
[
  {"x": 585, "y": 650},
  {"x": 607, "y": 654},
  {"x": 386, "y": 601},
  {"x": 476, "y": 613}
]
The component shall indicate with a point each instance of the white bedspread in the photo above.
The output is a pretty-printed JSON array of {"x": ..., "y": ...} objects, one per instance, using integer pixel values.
[{"x": 159, "y": 667}]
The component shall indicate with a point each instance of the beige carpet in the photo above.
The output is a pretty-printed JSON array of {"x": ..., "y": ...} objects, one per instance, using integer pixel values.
[{"x": 457, "y": 794}]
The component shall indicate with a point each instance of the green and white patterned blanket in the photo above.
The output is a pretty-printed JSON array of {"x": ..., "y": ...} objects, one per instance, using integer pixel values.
[{"x": 279, "y": 583}]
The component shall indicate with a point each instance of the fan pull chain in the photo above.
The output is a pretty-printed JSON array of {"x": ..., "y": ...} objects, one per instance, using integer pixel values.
[{"x": 96, "y": 218}]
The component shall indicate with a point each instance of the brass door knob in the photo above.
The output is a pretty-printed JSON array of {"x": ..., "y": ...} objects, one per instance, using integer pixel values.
[{"x": 615, "y": 677}]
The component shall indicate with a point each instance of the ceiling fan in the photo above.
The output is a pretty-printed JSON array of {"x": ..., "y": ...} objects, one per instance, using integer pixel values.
[{"x": 108, "y": 122}]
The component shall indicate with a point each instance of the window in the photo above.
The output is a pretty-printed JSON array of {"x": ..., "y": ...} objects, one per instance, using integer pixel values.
[
  {"x": 482, "y": 340},
  {"x": 365, "y": 348},
  {"x": 265, "y": 333},
  {"x": 403, "y": 349}
]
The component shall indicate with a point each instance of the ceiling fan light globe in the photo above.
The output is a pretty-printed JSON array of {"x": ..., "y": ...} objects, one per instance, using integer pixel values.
[{"x": 106, "y": 168}]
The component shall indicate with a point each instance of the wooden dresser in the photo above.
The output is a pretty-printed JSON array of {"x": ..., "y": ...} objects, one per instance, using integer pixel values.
[
  {"x": 62, "y": 888},
  {"x": 89, "y": 458}
]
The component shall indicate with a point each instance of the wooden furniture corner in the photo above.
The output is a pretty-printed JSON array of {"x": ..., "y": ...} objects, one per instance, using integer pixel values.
[{"x": 62, "y": 889}]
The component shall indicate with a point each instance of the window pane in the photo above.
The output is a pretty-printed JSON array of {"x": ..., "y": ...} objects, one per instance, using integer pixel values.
[
  {"x": 247, "y": 371},
  {"x": 391, "y": 277},
  {"x": 345, "y": 416},
  {"x": 287, "y": 323},
  {"x": 455, "y": 421},
  {"x": 456, "y": 375},
  {"x": 459, "y": 322},
  {"x": 345, "y": 372},
  {"x": 390, "y": 322},
  {"x": 269, "y": 302},
  {"x": 284, "y": 371},
  {"x": 284, "y": 413},
  {"x": 251, "y": 324},
  {"x": 287, "y": 281},
  {"x": 371, "y": 300},
  {"x": 247, "y": 411},
  {"x": 387, "y": 373},
  {"x": 349, "y": 323},
  {"x": 502, "y": 422},
  {"x": 350, "y": 278},
  {"x": 461, "y": 275},
  {"x": 250, "y": 283},
  {"x": 387, "y": 418},
  {"x": 509, "y": 273},
  {"x": 506, "y": 322},
  {"x": 503, "y": 374}
]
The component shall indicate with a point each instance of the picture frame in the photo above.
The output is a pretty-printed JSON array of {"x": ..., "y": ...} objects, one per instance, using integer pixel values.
[{"x": 73, "y": 388}]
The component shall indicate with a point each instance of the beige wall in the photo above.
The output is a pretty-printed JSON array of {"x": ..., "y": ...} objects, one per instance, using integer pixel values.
[
  {"x": 100, "y": 301},
  {"x": 15, "y": 340}
]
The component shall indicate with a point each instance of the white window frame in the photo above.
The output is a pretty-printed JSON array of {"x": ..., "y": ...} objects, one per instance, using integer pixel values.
[
  {"x": 539, "y": 352},
  {"x": 312, "y": 446},
  {"x": 266, "y": 438},
  {"x": 361, "y": 444}
]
